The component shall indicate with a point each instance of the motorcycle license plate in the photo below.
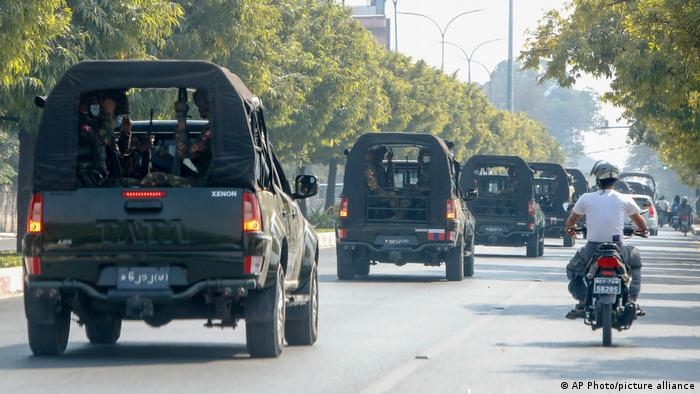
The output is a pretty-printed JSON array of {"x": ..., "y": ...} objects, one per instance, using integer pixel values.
[{"x": 607, "y": 286}]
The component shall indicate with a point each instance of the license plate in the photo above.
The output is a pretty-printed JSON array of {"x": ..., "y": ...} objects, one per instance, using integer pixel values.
[
  {"x": 607, "y": 286},
  {"x": 143, "y": 278},
  {"x": 493, "y": 229}
]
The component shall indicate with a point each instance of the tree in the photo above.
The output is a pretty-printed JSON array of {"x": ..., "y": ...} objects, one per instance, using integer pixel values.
[
  {"x": 650, "y": 49},
  {"x": 566, "y": 112}
]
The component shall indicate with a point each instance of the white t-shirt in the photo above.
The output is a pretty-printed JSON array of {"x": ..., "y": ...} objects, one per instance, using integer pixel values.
[{"x": 605, "y": 213}]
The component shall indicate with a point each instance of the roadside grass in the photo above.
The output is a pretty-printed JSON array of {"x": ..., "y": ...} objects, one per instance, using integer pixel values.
[{"x": 10, "y": 259}]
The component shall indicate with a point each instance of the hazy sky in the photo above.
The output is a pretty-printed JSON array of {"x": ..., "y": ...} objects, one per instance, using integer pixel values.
[{"x": 420, "y": 39}]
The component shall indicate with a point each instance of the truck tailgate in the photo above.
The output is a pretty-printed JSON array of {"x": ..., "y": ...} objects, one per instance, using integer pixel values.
[{"x": 134, "y": 220}]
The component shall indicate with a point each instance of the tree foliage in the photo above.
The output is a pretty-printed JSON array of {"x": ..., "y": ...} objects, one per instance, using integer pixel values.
[
  {"x": 650, "y": 49},
  {"x": 565, "y": 112},
  {"x": 323, "y": 79}
]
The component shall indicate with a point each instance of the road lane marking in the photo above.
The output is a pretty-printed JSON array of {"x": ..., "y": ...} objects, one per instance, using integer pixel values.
[{"x": 406, "y": 369}]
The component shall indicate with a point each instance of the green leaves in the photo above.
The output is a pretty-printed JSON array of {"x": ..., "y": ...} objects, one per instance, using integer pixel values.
[{"x": 650, "y": 49}]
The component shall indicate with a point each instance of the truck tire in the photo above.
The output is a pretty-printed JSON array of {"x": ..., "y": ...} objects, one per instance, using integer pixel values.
[
  {"x": 469, "y": 260},
  {"x": 345, "y": 269},
  {"x": 301, "y": 326},
  {"x": 569, "y": 241},
  {"x": 50, "y": 339},
  {"x": 105, "y": 331},
  {"x": 454, "y": 263},
  {"x": 533, "y": 245},
  {"x": 362, "y": 266},
  {"x": 264, "y": 320},
  {"x": 540, "y": 246}
]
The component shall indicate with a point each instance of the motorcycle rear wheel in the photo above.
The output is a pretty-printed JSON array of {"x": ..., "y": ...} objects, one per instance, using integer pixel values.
[{"x": 606, "y": 319}]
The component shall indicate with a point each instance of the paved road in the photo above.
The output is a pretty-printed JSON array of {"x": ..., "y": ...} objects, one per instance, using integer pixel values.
[
  {"x": 7, "y": 243},
  {"x": 402, "y": 330}
]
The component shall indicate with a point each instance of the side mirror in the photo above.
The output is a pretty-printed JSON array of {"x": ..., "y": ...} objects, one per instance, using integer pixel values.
[
  {"x": 305, "y": 186},
  {"x": 40, "y": 101},
  {"x": 346, "y": 152},
  {"x": 472, "y": 194}
]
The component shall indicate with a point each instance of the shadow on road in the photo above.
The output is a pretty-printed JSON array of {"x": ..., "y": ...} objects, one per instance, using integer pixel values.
[
  {"x": 82, "y": 355},
  {"x": 386, "y": 278},
  {"x": 669, "y": 342},
  {"x": 612, "y": 369}
]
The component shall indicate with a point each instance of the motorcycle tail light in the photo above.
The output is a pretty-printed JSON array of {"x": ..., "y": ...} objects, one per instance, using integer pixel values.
[{"x": 608, "y": 262}]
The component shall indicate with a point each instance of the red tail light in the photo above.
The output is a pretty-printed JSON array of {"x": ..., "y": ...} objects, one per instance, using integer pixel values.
[
  {"x": 608, "y": 262},
  {"x": 450, "y": 209},
  {"x": 652, "y": 212},
  {"x": 253, "y": 264},
  {"x": 342, "y": 233},
  {"x": 143, "y": 194},
  {"x": 33, "y": 265},
  {"x": 343, "y": 211},
  {"x": 252, "y": 219},
  {"x": 531, "y": 208},
  {"x": 35, "y": 219}
]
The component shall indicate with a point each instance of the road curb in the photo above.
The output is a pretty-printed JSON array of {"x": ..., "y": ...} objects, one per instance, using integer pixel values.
[{"x": 10, "y": 281}]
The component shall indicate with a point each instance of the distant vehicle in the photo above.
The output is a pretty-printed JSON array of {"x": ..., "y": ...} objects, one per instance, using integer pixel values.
[
  {"x": 649, "y": 213},
  {"x": 506, "y": 211},
  {"x": 405, "y": 210},
  {"x": 639, "y": 183},
  {"x": 553, "y": 194},
  {"x": 225, "y": 244},
  {"x": 579, "y": 182}
]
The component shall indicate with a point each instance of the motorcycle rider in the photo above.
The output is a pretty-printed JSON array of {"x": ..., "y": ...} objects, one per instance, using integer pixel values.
[
  {"x": 663, "y": 208},
  {"x": 684, "y": 209},
  {"x": 674, "y": 212},
  {"x": 605, "y": 210}
]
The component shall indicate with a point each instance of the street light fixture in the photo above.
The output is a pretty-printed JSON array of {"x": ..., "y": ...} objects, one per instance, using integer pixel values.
[
  {"x": 470, "y": 57},
  {"x": 396, "y": 29},
  {"x": 443, "y": 30}
]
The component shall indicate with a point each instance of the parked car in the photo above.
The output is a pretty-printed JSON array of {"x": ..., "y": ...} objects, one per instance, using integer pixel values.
[
  {"x": 408, "y": 210},
  {"x": 223, "y": 244},
  {"x": 506, "y": 211}
]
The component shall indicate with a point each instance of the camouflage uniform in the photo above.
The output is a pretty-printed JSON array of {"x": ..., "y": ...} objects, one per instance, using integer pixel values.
[
  {"x": 92, "y": 159},
  {"x": 159, "y": 179}
]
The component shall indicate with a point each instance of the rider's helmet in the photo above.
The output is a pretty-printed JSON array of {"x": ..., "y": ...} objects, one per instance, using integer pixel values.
[
  {"x": 605, "y": 174},
  {"x": 684, "y": 200}
]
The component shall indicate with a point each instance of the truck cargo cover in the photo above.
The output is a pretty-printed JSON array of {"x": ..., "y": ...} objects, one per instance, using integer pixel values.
[{"x": 233, "y": 150}]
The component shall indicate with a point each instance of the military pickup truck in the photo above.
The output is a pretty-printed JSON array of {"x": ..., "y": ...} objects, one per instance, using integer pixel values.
[
  {"x": 224, "y": 243},
  {"x": 401, "y": 204}
]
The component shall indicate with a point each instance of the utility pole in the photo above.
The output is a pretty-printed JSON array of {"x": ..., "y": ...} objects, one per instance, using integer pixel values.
[
  {"x": 396, "y": 29},
  {"x": 509, "y": 101}
]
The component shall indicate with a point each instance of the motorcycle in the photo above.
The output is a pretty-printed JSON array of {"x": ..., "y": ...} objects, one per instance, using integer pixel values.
[
  {"x": 608, "y": 280},
  {"x": 684, "y": 225}
]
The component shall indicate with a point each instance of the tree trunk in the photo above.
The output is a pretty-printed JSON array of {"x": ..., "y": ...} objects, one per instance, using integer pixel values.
[{"x": 330, "y": 190}]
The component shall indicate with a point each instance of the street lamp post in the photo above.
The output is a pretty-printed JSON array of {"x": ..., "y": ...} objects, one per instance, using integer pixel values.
[
  {"x": 443, "y": 30},
  {"x": 470, "y": 57},
  {"x": 396, "y": 29},
  {"x": 489, "y": 71}
]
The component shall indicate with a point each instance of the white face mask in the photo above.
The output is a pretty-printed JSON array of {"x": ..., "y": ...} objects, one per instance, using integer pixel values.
[
  {"x": 118, "y": 120},
  {"x": 94, "y": 109}
]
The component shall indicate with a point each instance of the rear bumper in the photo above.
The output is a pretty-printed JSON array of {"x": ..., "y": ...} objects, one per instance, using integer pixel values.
[
  {"x": 425, "y": 253},
  {"x": 515, "y": 238},
  {"x": 39, "y": 288}
]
